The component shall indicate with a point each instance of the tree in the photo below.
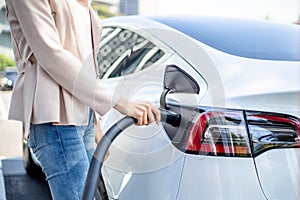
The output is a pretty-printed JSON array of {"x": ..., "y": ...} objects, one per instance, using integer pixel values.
[
  {"x": 6, "y": 61},
  {"x": 103, "y": 11}
]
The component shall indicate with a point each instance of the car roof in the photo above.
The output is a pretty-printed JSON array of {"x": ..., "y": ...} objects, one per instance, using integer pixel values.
[{"x": 248, "y": 38}]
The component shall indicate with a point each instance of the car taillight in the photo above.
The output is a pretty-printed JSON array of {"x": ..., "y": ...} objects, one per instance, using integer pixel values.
[
  {"x": 219, "y": 133},
  {"x": 271, "y": 130}
]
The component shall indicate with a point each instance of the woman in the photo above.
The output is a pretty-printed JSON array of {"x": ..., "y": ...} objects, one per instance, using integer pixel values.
[{"x": 55, "y": 43}]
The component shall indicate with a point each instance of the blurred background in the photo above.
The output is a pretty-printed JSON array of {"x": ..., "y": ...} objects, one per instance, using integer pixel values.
[{"x": 287, "y": 11}]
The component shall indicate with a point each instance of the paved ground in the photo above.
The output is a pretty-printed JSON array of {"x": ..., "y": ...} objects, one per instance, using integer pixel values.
[{"x": 20, "y": 186}]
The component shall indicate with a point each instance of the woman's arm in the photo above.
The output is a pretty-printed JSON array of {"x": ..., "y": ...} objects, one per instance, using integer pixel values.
[{"x": 38, "y": 27}]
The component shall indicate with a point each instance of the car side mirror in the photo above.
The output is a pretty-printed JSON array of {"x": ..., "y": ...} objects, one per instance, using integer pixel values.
[{"x": 177, "y": 80}]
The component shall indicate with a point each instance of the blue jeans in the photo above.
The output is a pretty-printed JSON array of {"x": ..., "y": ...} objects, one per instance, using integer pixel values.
[{"x": 64, "y": 153}]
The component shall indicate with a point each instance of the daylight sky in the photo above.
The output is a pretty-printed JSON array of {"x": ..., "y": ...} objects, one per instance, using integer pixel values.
[{"x": 278, "y": 10}]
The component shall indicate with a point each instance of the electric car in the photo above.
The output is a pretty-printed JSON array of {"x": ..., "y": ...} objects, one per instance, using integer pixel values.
[
  {"x": 10, "y": 76},
  {"x": 235, "y": 84}
]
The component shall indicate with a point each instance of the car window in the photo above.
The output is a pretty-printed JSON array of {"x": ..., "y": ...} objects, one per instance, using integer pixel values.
[{"x": 123, "y": 52}]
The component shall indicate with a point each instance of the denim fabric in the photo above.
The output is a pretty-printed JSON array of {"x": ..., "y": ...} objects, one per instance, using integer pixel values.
[
  {"x": 88, "y": 135},
  {"x": 64, "y": 153}
]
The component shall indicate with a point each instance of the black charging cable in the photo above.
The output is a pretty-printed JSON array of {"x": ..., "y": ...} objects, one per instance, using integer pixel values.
[{"x": 94, "y": 177}]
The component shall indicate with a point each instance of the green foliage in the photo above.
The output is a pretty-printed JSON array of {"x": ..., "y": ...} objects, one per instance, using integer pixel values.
[
  {"x": 6, "y": 61},
  {"x": 103, "y": 11}
]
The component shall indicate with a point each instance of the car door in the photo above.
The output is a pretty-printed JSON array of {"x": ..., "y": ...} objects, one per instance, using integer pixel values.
[{"x": 143, "y": 164}]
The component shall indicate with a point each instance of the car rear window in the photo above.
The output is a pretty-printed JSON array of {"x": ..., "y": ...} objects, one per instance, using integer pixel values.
[{"x": 241, "y": 37}]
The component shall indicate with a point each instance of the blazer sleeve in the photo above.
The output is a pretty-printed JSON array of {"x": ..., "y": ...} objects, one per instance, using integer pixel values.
[{"x": 39, "y": 29}]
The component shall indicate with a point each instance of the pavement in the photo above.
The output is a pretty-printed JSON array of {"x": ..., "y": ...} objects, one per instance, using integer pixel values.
[{"x": 15, "y": 184}]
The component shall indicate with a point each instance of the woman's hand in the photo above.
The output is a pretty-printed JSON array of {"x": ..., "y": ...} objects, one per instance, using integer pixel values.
[{"x": 144, "y": 112}]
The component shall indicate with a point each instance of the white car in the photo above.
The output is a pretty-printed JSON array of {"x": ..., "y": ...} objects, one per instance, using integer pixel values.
[{"x": 235, "y": 84}]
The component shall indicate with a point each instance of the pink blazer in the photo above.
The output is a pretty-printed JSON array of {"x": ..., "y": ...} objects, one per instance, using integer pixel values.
[{"x": 54, "y": 84}]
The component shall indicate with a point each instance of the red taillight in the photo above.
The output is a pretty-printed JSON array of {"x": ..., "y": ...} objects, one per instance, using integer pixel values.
[
  {"x": 219, "y": 133},
  {"x": 270, "y": 130},
  {"x": 281, "y": 121}
]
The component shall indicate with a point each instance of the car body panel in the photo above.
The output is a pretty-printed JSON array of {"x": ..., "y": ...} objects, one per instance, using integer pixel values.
[
  {"x": 213, "y": 178},
  {"x": 278, "y": 171},
  {"x": 142, "y": 163},
  {"x": 262, "y": 84},
  {"x": 159, "y": 184}
]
